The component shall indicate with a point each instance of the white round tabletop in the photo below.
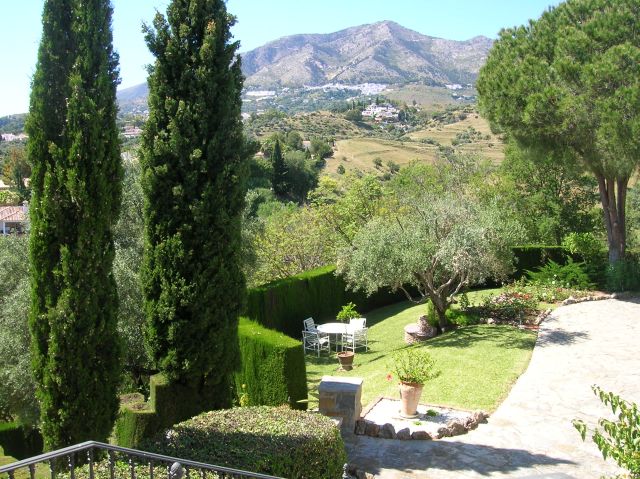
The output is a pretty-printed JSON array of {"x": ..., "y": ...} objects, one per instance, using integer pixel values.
[{"x": 333, "y": 328}]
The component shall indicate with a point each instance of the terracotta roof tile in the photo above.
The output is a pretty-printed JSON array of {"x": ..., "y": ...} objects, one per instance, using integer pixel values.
[{"x": 12, "y": 213}]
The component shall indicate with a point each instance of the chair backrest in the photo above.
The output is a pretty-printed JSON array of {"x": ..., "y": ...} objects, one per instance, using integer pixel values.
[
  {"x": 309, "y": 325},
  {"x": 358, "y": 323}
]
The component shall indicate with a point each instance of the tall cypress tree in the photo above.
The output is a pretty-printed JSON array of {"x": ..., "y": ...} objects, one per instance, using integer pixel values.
[
  {"x": 279, "y": 180},
  {"x": 193, "y": 155},
  {"x": 75, "y": 155}
]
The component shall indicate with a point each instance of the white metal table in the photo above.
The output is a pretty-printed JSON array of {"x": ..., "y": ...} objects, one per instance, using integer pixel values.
[{"x": 334, "y": 329}]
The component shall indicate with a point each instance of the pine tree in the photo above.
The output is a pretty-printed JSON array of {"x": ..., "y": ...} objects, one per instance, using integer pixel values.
[
  {"x": 75, "y": 155},
  {"x": 279, "y": 180},
  {"x": 193, "y": 156}
]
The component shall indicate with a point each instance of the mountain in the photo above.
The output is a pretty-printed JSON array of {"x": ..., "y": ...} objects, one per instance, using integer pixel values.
[
  {"x": 133, "y": 100},
  {"x": 382, "y": 52}
]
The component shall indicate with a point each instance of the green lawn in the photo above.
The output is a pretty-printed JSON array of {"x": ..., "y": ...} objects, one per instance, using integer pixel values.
[{"x": 478, "y": 364}]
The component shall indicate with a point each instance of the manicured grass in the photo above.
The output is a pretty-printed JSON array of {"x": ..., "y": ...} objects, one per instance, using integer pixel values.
[
  {"x": 42, "y": 471},
  {"x": 478, "y": 364}
]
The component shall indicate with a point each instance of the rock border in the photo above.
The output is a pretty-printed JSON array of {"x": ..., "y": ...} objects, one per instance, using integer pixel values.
[
  {"x": 364, "y": 427},
  {"x": 595, "y": 297}
]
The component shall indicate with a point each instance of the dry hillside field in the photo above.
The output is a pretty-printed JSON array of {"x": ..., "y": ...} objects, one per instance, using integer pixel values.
[{"x": 361, "y": 153}]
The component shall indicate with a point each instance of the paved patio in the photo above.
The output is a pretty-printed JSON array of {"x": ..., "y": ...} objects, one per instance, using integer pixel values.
[{"x": 530, "y": 434}]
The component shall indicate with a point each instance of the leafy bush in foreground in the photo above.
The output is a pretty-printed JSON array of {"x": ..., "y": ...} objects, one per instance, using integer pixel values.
[
  {"x": 278, "y": 441},
  {"x": 618, "y": 439}
]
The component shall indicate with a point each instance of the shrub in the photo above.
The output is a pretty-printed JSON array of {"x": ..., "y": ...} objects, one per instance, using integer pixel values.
[
  {"x": 533, "y": 256},
  {"x": 617, "y": 439},
  {"x": 584, "y": 244},
  {"x": 277, "y": 441},
  {"x": 623, "y": 275},
  {"x": 570, "y": 275},
  {"x": 272, "y": 368}
]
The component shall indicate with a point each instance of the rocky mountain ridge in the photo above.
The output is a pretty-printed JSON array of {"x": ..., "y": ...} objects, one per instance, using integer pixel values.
[{"x": 382, "y": 52}]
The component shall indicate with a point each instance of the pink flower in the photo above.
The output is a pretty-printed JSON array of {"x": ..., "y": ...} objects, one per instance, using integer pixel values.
[{"x": 389, "y": 377}]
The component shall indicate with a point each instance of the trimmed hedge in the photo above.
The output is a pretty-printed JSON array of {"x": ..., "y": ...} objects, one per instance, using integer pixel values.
[
  {"x": 19, "y": 441},
  {"x": 283, "y": 304},
  {"x": 319, "y": 293},
  {"x": 279, "y": 441},
  {"x": 272, "y": 367},
  {"x": 168, "y": 404}
]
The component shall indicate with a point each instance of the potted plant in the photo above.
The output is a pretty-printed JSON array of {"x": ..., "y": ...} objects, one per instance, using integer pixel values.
[
  {"x": 413, "y": 367},
  {"x": 345, "y": 358},
  {"x": 347, "y": 312}
]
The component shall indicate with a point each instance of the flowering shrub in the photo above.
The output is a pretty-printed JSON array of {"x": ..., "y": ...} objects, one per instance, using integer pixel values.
[
  {"x": 548, "y": 293},
  {"x": 413, "y": 365},
  {"x": 508, "y": 306}
]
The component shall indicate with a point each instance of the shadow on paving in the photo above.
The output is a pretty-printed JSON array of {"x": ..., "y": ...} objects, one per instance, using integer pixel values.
[
  {"x": 561, "y": 337},
  {"x": 375, "y": 455}
]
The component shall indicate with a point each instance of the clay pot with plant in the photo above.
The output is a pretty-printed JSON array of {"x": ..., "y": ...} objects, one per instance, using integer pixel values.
[
  {"x": 347, "y": 312},
  {"x": 414, "y": 367}
]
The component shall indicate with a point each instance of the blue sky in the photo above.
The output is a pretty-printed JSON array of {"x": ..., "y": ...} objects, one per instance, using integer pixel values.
[{"x": 259, "y": 21}]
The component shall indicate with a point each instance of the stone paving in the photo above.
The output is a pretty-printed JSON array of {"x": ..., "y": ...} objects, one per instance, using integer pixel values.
[{"x": 530, "y": 434}]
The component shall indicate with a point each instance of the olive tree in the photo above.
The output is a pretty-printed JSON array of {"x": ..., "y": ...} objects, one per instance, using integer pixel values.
[
  {"x": 570, "y": 82},
  {"x": 431, "y": 244}
]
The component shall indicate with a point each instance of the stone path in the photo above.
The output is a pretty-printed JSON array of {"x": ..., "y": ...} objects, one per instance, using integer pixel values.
[{"x": 530, "y": 434}]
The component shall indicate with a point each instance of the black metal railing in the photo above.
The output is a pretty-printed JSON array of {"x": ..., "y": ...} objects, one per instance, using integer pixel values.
[{"x": 96, "y": 460}]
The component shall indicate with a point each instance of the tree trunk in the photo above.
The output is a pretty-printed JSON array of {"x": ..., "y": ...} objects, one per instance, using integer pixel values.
[
  {"x": 613, "y": 196},
  {"x": 440, "y": 305}
]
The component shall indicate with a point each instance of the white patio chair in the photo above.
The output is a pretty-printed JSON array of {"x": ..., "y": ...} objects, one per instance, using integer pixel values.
[
  {"x": 355, "y": 335},
  {"x": 309, "y": 325},
  {"x": 315, "y": 341},
  {"x": 358, "y": 323}
]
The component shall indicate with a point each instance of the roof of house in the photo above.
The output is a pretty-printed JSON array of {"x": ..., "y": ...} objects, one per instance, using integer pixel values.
[{"x": 12, "y": 213}]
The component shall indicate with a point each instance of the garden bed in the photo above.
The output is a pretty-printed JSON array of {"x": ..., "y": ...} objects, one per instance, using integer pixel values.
[{"x": 382, "y": 419}]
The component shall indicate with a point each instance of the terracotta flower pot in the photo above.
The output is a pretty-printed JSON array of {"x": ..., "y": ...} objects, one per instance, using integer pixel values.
[
  {"x": 346, "y": 360},
  {"x": 409, "y": 398}
]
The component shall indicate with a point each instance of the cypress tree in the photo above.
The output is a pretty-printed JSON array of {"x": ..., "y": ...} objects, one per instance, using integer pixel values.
[
  {"x": 76, "y": 172},
  {"x": 193, "y": 156},
  {"x": 279, "y": 180}
]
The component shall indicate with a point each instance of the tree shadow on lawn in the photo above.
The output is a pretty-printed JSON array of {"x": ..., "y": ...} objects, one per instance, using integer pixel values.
[
  {"x": 374, "y": 455},
  {"x": 386, "y": 312},
  {"x": 502, "y": 336}
]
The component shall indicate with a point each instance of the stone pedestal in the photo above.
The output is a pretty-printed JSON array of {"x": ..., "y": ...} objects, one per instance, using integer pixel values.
[{"x": 340, "y": 397}]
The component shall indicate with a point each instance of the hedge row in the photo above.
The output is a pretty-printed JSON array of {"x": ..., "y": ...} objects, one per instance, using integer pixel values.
[
  {"x": 283, "y": 304},
  {"x": 19, "y": 441},
  {"x": 272, "y": 370}
]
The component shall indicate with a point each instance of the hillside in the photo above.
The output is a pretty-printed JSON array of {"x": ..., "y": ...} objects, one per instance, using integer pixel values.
[
  {"x": 469, "y": 135},
  {"x": 383, "y": 52},
  {"x": 133, "y": 100}
]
